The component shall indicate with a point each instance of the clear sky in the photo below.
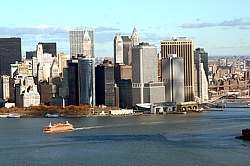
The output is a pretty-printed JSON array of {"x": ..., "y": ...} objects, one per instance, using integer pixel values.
[{"x": 222, "y": 27}]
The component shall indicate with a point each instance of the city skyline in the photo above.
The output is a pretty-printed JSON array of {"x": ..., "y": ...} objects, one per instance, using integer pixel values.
[{"x": 221, "y": 27}]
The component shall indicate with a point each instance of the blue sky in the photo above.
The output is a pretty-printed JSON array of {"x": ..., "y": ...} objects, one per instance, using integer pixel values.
[{"x": 222, "y": 27}]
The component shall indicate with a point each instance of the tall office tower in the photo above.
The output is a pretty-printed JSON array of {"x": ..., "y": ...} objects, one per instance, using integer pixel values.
[
  {"x": 200, "y": 53},
  {"x": 78, "y": 43},
  {"x": 62, "y": 61},
  {"x": 49, "y": 47},
  {"x": 173, "y": 78},
  {"x": 73, "y": 83},
  {"x": 104, "y": 78},
  {"x": 200, "y": 80},
  {"x": 127, "y": 50},
  {"x": 135, "y": 38},
  {"x": 118, "y": 49},
  {"x": 86, "y": 78},
  {"x": 145, "y": 85},
  {"x": 10, "y": 51},
  {"x": 125, "y": 93},
  {"x": 81, "y": 81},
  {"x": 183, "y": 48}
]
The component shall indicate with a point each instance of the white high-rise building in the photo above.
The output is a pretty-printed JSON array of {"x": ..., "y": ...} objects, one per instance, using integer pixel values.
[
  {"x": 81, "y": 43},
  {"x": 135, "y": 38},
  {"x": 118, "y": 49}
]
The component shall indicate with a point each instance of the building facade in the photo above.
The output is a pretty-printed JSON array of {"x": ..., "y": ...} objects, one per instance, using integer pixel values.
[
  {"x": 118, "y": 49},
  {"x": 182, "y": 48},
  {"x": 201, "y": 56},
  {"x": 77, "y": 42},
  {"x": 10, "y": 52},
  {"x": 49, "y": 47},
  {"x": 145, "y": 75},
  {"x": 173, "y": 78},
  {"x": 104, "y": 78},
  {"x": 86, "y": 71}
]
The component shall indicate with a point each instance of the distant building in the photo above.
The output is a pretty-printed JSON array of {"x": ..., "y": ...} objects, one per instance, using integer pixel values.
[
  {"x": 173, "y": 78},
  {"x": 62, "y": 61},
  {"x": 201, "y": 55},
  {"x": 79, "y": 41},
  {"x": 30, "y": 54},
  {"x": 182, "y": 48},
  {"x": 26, "y": 93},
  {"x": 81, "y": 81},
  {"x": 145, "y": 85},
  {"x": 125, "y": 93},
  {"x": 127, "y": 50},
  {"x": 118, "y": 49},
  {"x": 87, "y": 80},
  {"x": 135, "y": 38},
  {"x": 104, "y": 85},
  {"x": 5, "y": 87},
  {"x": 10, "y": 52},
  {"x": 122, "y": 72},
  {"x": 49, "y": 47}
]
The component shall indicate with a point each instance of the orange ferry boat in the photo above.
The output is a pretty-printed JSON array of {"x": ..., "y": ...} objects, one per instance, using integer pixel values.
[{"x": 59, "y": 127}]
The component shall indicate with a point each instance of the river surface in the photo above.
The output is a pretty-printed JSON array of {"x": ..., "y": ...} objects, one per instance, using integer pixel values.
[{"x": 206, "y": 138}]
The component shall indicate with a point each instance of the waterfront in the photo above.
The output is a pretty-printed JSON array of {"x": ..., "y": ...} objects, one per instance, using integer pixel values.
[{"x": 206, "y": 138}]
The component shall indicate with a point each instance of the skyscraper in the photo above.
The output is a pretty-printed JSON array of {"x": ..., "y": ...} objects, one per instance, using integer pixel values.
[
  {"x": 10, "y": 51},
  {"x": 104, "y": 78},
  {"x": 135, "y": 38},
  {"x": 80, "y": 42},
  {"x": 145, "y": 85},
  {"x": 86, "y": 76},
  {"x": 127, "y": 50},
  {"x": 182, "y": 48},
  {"x": 201, "y": 55},
  {"x": 118, "y": 49},
  {"x": 173, "y": 78}
]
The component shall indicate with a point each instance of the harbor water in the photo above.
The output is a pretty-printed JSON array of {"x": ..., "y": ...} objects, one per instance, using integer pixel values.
[{"x": 206, "y": 138}]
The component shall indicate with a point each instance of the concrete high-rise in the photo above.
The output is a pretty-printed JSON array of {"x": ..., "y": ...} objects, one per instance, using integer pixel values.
[
  {"x": 145, "y": 85},
  {"x": 127, "y": 50},
  {"x": 10, "y": 52},
  {"x": 80, "y": 42},
  {"x": 182, "y": 48}
]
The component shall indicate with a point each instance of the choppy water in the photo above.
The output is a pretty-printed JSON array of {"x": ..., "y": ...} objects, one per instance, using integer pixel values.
[{"x": 206, "y": 138}]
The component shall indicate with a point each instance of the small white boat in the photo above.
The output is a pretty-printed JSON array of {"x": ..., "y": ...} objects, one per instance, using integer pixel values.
[
  {"x": 13, "y": 116},
  {"x": 51, "y": 115}
]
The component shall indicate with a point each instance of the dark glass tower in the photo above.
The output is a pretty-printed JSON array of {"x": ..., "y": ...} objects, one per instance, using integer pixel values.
[
  {"x": 10, "y": 51},
  {"x": 73, "y": 98},
  {"x": 49, "y": 47},
  {"x": 104, "y": 76},
  {"x": 200, "y": 56}
]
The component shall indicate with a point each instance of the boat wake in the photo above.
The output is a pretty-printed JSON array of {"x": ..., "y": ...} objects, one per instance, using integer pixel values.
[{"x": 116, "y": 125}]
